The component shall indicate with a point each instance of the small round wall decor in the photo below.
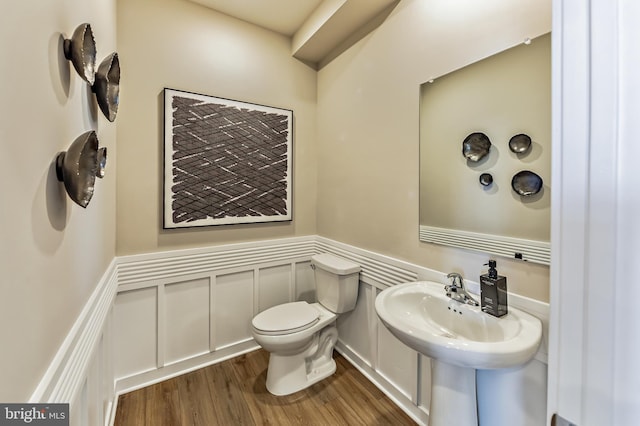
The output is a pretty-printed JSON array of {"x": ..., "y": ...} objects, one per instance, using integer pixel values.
[
  {"x": 526, "y": 183},
  {"x": 520, "y": 143},
  {"x": 476, "y": 146}
]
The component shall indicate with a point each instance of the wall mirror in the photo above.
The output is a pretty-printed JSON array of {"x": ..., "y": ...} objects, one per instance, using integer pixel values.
[{"x": 472, "y": 204}]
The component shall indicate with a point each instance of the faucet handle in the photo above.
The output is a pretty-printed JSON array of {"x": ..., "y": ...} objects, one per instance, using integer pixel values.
[{"x": 455, "y": 276}]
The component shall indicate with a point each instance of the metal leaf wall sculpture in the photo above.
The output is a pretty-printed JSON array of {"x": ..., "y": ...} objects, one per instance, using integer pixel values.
[
  {"x": 79, "y": 166},
  {"x": 107, "y": 86},
  {"x": 80, "y": 49}
]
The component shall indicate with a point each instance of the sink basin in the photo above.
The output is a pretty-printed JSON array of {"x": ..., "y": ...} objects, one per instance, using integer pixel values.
[
  {"x": 421, "y": 316},
  {"x": 459, "y": 339}
]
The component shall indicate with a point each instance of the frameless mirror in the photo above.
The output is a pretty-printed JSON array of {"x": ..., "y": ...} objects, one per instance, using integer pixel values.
[{"x": 466, "y": 197}]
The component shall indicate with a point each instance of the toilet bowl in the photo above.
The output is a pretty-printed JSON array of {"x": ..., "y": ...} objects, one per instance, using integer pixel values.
[{"x": 300, "y": 336}]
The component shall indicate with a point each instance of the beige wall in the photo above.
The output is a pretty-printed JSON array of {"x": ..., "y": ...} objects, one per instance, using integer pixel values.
[
  {"x": 368, "y": 115},
  {"x": 501, "y": 96},
  {"x": 53, "y": 252},
  {"x": 365, "y": 143},
  {"x": 182, "y": 45}
]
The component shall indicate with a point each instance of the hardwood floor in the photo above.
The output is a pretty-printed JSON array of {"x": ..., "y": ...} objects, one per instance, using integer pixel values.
[{"x": 234, "y": 393}]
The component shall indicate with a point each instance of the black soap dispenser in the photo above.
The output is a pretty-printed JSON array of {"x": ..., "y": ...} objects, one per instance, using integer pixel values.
[{"x": 493, "y": 291}]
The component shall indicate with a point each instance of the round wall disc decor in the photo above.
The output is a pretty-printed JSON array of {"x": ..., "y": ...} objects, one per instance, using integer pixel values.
[
  {"x": 520, "y": 143},
  {"x": 526, "y": 183},
  {"x": 486, "y": 179},
  {"x": 476, "y": 146}
]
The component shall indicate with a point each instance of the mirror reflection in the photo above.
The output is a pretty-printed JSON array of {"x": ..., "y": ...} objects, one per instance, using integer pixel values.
[{"x": 467, "y": 197}]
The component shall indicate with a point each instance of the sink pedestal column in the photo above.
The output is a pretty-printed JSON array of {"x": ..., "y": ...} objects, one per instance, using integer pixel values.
[{"x": 453, "y": 395}]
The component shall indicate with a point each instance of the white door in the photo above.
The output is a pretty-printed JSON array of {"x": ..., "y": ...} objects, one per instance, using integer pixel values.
[{"x": 594, "y": 359}]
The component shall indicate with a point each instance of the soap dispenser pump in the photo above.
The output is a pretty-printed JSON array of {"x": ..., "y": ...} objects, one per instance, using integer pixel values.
[{"x": 493, "y": 291}]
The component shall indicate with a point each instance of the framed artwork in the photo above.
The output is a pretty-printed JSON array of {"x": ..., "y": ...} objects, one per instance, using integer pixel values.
[{"x": 225, "y": 162}]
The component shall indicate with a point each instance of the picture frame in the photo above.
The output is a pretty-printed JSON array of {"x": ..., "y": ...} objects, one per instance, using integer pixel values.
[{"x": 225, "y": 161}]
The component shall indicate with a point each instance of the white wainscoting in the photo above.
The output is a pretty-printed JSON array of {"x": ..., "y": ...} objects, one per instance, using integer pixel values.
[
  {"x": 81, "y": 373},
  {"x": 178, "y": 311},
  {"x": 166, "y": 327}
]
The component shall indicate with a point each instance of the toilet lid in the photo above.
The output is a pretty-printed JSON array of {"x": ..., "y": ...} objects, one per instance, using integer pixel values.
[{"x": 286, "y": 318}]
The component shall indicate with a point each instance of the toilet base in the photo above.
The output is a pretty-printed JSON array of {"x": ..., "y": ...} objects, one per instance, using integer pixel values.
[
  {"x": 282, "y": 380},
  {"x": 288, "y": 374}
]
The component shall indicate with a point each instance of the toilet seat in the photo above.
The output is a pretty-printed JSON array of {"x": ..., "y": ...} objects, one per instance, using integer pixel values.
[{"x": 286, "y": 319}]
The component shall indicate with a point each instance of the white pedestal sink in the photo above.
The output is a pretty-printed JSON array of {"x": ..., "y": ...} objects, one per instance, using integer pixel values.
[{"x": 459, "y": 339}]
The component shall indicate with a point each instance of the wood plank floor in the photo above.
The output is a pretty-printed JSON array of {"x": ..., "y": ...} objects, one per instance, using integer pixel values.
[{"x": 234, "y": 393}]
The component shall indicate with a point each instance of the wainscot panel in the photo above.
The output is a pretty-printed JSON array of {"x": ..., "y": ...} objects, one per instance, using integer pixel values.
[
  {"x": 425, "y": 383},
  {"x": 186, "y": 322},
  {"x": 304, "y": 283},
  {"x": 233, "y": 309},
  {"x": 355, "y": 328},
  {"x": 397, "y": 363},
  {"x": 275, "y": 286},
  {"x": 135, "y": 331}
]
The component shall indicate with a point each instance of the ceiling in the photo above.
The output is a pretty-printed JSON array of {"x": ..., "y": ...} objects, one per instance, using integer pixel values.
[
  {"x": 317, "y": 28},
  {"x": 281, "y": 16}
]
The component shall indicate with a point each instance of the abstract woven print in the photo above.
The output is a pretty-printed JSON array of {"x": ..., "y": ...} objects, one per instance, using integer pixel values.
[{"x": 227, "y": 162}]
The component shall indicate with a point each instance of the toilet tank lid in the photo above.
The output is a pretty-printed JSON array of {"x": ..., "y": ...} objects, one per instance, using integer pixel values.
[{"x": 334, "y": 264}]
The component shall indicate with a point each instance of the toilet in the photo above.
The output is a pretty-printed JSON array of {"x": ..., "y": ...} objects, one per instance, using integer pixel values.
[{"x": 300, "y": 336}]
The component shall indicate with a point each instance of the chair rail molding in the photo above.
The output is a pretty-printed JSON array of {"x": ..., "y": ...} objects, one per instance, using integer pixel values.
[{"x": 519, "y": 248}]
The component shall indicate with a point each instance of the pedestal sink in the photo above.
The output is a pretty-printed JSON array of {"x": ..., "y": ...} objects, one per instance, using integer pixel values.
[{"x": 459, "y": 339}]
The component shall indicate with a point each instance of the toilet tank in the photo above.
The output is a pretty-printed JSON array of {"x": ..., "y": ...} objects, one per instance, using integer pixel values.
[{"x": 337, "y": 282}]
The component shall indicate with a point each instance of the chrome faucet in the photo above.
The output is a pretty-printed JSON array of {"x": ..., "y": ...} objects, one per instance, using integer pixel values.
[{"x": 457, "y": 291}]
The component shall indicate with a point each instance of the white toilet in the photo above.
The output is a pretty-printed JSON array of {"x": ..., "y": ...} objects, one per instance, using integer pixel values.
[{"x": 300, "y": 336}]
